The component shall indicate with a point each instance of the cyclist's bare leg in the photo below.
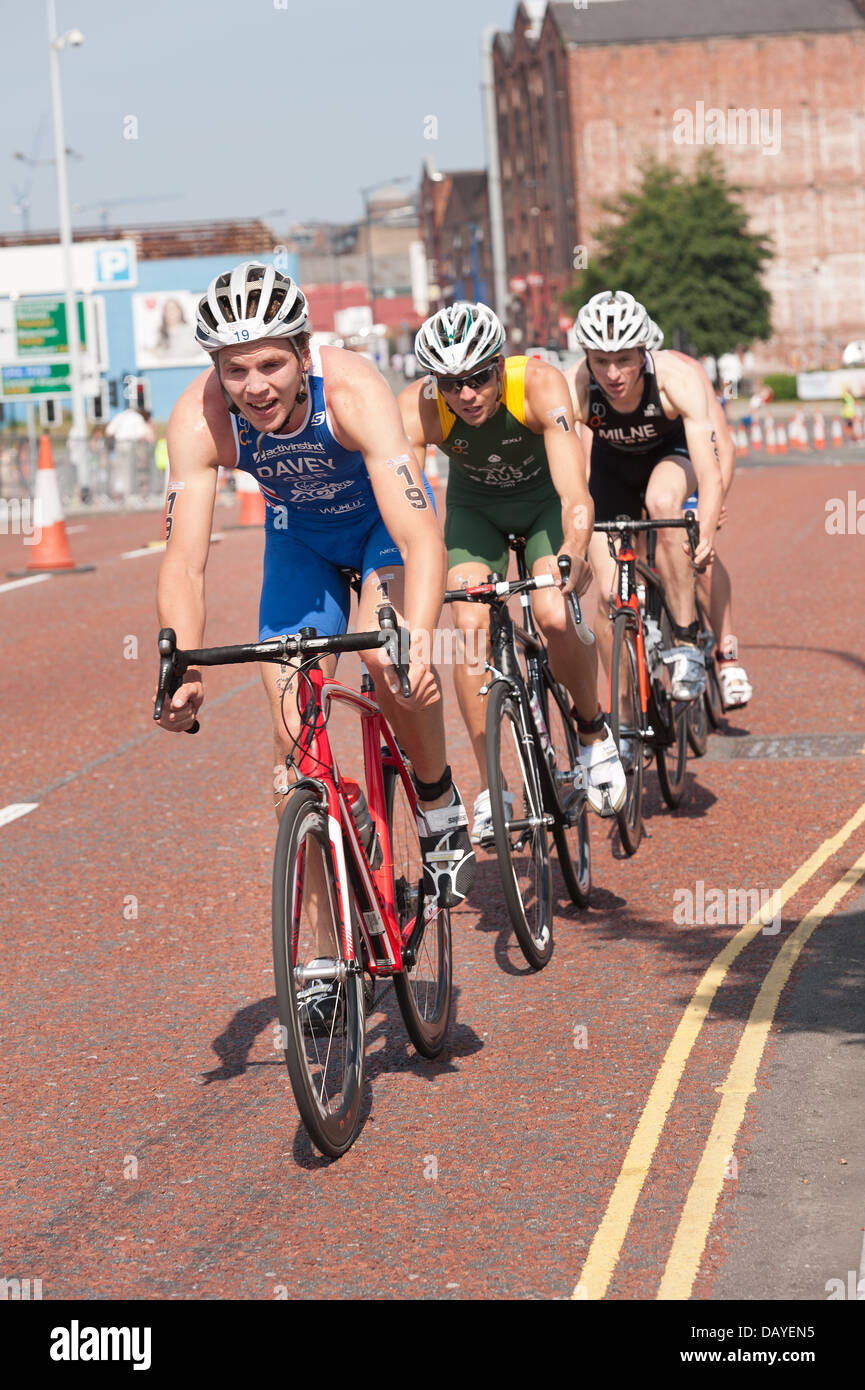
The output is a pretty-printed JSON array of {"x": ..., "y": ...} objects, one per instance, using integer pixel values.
[
  {"x": 420, "y": 730},
  {"x": 574, "y": 665},
  {"x": 604, "y": 567},
  {"x": 716, "y": 594},
  {"x": 473, "y": 621},
  {"x": 673, "y": 480}
]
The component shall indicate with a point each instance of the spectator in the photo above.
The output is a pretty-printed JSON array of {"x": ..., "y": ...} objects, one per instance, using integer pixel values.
[{"x": 128, "y": 429}]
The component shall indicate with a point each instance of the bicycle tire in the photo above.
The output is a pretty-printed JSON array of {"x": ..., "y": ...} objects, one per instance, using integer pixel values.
[
  {"x": 526, "y": 877},
  {"x": 326, "y": 1068},
  {"x": 671, "y": 758},
  {"x": 712, "y": 696},
  {"x": 571, "y": 836},
  {"x": 625, "y": 696},
  {"x": 424, "y": 989},
  {"x": 698, "y": 726}
]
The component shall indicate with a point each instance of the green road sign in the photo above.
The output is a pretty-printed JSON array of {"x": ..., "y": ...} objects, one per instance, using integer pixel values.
[
  {"x": 40, "y": 327},
  {"x": 37, "y": 379}
]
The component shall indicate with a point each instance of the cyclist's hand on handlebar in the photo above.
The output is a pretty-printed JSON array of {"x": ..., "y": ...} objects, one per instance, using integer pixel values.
[
  {"x": 704, "y": 553},
  {"x": 180, "y": 711},
  {"x": 581, "y": 576}
]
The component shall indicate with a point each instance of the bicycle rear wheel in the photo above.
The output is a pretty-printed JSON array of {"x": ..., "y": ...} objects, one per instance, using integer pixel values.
[
  {"x": 627, "y": 725},
  {"x": 571, "y": 827},
  {"x": 712, "y": 697},
  {"x": 325, "y": 1056},
  {"x": 520, "y": 836},
  {"x": 698, "y": 726},
  {"x": 671, "y": 755},
  {"x": 423, "y": 989}
]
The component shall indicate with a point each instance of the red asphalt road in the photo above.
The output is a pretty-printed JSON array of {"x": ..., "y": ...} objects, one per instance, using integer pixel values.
[{"x": 157, "y": 1151}]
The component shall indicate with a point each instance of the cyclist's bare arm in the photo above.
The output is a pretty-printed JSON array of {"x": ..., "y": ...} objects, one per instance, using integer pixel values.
[
  {"x": 420, "y": 417},
  {"x": 365, "y": 416},
  {"x": 726, "y": 447},
  {"x": 199, "y": 439},
  {"x": 549, "y": 412},
  {"x": 684, "y": 388},
  {"x": 577, "y": 378}
]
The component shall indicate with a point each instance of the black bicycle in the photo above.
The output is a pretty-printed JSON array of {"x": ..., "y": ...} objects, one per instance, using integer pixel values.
[
  {"x": 645, "y": 721},
  {"x": 535, "y": 782},
  {"x": 705, "y": 715}
]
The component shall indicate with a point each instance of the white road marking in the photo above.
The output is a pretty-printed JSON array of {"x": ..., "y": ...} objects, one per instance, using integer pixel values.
[
  {"x": 16, "y": 809},
  {"x": 157, "y": 547},
  {"x": 19, "y": 583}
]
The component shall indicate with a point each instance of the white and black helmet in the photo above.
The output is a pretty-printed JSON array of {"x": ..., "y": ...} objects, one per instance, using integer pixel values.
[
  {"x": 458, "y": 339},
  {"x": 656, "y": 337},
  {"x": 252, "y": 301},
  {"x": 612, "y": 321}
]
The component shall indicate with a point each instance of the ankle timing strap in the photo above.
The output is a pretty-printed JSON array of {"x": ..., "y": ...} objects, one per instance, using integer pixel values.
[
  {"x": 589, "y": 726},
  {"x": 687, "y": 634},
  {"x": 431, "y": 791}
]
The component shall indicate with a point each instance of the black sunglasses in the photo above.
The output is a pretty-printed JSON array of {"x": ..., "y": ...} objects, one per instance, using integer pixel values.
[{"x": 452, "y": 385}]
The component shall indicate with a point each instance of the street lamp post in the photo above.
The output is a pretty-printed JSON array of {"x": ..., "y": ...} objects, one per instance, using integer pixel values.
[{"x": 78, "y": 434}]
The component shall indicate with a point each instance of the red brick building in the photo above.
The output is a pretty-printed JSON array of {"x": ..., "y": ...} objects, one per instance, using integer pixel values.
[
  {"x": 455, "y": 225},
  {"x": 584, "y": 92}
]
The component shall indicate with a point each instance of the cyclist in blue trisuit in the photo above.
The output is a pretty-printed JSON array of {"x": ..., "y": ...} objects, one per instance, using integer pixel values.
[{"x": 320, "y": 432}]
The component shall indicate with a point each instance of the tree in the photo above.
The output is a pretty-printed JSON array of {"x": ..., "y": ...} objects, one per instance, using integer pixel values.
[{"x": 681, "y": 246}]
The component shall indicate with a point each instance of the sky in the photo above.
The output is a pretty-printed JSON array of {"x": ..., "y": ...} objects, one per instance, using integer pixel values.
[{"x": 281, "y": 109}]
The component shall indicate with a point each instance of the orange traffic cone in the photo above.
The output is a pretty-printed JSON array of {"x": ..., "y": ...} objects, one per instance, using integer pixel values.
[
  {"x": 837, "y": 434},
  {"x": 780, "y": 440},
  {"x": 798, "y": 433},
  {"x": 431, "y": 467},
  {"x": 756, "y": 435},
  {"x": 857, "y": 428},
  {"x": 51, "y": 549},
  {"x": 741, "y": 442},
  {"x": 819, "y": 431},
  {"x": 770, "y": 435},
  {"x": 252, "y": 505}
]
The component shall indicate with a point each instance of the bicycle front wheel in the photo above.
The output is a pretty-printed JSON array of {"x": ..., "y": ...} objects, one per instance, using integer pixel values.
[
  {"x": 571, "y": 828},
  {"x": 423, "y": 988},
  {"x": 627, "y": 725},
  {"x": 519, "y": 825},
  {"x": 672, "y": 756},
  {"x": 319, "y": 988}
]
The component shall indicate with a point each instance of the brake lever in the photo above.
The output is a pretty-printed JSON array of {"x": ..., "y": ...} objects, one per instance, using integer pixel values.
[
  {"x": 584, "y": 633},
  {"x": 397, "y": 642},
  {"x": 170, "y": 675}
]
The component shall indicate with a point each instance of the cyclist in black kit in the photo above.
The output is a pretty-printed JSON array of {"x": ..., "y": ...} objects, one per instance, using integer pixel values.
[{"x": 653, "y": 445}]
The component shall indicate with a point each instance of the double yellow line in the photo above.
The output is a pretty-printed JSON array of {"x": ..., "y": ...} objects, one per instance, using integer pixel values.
[{"x": 693, "y": 1229}]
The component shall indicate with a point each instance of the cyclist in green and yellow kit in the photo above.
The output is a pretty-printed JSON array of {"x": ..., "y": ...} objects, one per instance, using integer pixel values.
[{"x": 516, "y": 466}]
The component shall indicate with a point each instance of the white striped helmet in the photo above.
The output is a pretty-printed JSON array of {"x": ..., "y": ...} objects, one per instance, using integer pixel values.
[
  {"x": 250, "y": 302},
  {"x": 612, "y": 321},
  {"x": 458, "y": 339},
  {"x": 656, "y": 337}
]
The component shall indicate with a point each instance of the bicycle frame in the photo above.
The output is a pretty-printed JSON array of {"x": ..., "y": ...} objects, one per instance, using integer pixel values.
[
  {"x": 386, "y": 946},
  {"x": 628, "y": 567}
]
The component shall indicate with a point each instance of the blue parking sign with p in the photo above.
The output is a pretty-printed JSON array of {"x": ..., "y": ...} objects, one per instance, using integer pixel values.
[{"x": 113, "y": 265}]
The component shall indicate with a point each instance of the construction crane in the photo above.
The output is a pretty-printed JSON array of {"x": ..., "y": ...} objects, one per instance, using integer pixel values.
[
  {"x": 21, "y": 191},
  {"x": 105, "y": 204}
]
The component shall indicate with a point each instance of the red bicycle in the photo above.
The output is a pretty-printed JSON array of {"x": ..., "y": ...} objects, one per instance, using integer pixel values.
[{"x": 348, "y": 894}]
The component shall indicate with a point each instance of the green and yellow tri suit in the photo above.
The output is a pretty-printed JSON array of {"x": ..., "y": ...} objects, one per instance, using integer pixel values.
[{"x": 499, "y": 482}]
